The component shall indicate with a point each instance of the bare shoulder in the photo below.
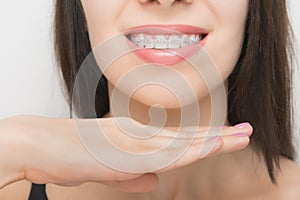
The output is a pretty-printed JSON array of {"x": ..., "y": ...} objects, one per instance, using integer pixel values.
[
  {"x": 18, "y": 190},
  {"x": 288, "y": 180}
]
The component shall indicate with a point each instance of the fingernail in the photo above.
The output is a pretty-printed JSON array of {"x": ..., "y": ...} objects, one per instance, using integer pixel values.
[
  {"x": 245, "y": 125},
  {"x": 208, "y": 146},
  {"x": 240, "y": 135}
]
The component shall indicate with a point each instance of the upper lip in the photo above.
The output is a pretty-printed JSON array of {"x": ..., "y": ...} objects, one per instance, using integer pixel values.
[{"x": 166, "y": 29}]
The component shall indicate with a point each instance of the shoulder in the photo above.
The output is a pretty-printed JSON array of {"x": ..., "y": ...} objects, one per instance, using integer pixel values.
[{"x": 288, "y": 180}]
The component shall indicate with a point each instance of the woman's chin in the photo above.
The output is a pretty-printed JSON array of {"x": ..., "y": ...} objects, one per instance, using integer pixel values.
[{"x": 154, "y": 95}]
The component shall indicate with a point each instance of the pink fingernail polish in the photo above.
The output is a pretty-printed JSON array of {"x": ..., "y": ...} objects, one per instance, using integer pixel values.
[{"x": 245, "y": 125}]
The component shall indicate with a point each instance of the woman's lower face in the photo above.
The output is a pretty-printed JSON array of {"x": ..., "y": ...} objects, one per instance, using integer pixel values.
[{"x": 165, "y": 53}]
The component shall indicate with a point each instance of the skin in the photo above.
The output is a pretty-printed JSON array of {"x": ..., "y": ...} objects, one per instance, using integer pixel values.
[
  {"x": 211, "y": 178},
  {"x": 218, "y": 21}
]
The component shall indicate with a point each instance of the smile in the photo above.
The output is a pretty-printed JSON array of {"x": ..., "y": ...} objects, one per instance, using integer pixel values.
[
  {"x": 165, "y": 44},
  {"x": 164, "y": 41}
]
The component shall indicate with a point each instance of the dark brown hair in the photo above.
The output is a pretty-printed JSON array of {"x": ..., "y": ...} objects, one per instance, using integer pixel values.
[{"x": 259, "y": 87}]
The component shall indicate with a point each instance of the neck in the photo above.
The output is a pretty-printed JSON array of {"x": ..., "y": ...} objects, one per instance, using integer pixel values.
[{"x": 237, "y": 175}]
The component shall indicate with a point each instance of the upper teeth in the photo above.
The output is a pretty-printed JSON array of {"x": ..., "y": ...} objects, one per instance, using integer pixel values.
[{"x": 164, "y": 41}]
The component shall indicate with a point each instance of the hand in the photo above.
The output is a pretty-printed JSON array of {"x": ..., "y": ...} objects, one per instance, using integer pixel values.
[{"x": 48, "y": 150}]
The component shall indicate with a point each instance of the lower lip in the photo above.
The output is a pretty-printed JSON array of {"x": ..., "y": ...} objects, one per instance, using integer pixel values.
[{"x": 167, "y": 56}]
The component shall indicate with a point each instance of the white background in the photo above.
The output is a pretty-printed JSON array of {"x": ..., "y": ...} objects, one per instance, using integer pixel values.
[{"x": 29, "y": 83}]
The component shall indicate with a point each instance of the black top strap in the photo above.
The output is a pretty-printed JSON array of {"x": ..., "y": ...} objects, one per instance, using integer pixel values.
[{"x": 38, "y": 192}]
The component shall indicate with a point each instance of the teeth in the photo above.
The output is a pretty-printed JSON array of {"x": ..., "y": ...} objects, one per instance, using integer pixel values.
[
  {"x": 149, "y": 42},
  {"x": 160, "y": 42},
  {"x": 174, "y": 42},
  {"x": 185, "y": 41},
  {"x": 195, "y": 38},
  {"x": 139, "y": 40},
  {"x": 164, "y": 41}
]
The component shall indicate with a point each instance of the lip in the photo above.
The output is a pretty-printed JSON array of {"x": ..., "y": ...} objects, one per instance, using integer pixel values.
[
  {"x": 167, "y": 57},
  {"x": 167, "y": 29}
]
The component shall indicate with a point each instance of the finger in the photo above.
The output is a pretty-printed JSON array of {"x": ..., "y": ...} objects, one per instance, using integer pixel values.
[
  {"x": 244, "y": 129},
  {"x": 185, "y": 140},
  {"x": 234, "y": 142},
  {"x": 206, "y": 132},
  {"x": 212, "y": 146},
  {"x": 144, "y": 183}
]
